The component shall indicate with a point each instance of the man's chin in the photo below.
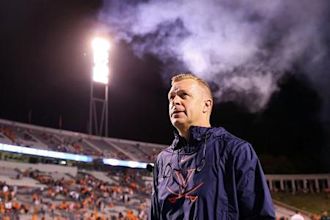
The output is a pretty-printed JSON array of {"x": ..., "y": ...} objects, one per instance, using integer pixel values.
[{"x": 178, "y": 123}]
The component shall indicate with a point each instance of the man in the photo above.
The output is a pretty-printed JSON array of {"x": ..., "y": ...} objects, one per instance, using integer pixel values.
[
  {"x": 297, "y": 216},
  {"x": 325, "y": 216},
  {"x": 207, "y": 173}
]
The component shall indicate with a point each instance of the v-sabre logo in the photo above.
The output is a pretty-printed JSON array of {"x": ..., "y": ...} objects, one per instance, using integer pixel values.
[{"x": 183, "y": 184}]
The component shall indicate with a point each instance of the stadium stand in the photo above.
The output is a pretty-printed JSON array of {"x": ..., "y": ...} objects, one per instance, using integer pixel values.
[
  {"x": 32, "y": 136},
  {"x": 88, "y": 187},
  {"x": 61, "y": 195}
]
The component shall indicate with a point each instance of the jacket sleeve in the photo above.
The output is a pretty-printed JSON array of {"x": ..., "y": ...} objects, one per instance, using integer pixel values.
[
  {"x": 254, "y": 199},
  {"x": 154, "y": 209}
]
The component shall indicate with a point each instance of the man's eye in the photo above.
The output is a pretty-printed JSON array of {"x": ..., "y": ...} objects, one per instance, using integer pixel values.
[{"x": 184, "y": 95}]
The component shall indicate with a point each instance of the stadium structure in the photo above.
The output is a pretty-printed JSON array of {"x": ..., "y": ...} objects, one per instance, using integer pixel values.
[{"x": 48, "y": 173}]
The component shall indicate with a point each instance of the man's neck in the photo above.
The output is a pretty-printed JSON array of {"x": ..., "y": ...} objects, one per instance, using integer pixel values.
[{"x": 184, "y": 133}]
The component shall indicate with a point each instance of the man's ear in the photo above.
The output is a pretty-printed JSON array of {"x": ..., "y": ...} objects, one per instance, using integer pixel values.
[{"x": 207, "y": 105}]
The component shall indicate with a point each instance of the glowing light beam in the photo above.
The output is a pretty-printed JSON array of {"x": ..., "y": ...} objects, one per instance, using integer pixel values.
[{"x": 101, "y": 49}]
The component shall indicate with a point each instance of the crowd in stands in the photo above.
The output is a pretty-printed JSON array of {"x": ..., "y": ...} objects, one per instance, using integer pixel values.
[
  {"x": 126, "y": 196},
  {"x": 298, "y": 216},
  {"x": 80, "y": 197}
]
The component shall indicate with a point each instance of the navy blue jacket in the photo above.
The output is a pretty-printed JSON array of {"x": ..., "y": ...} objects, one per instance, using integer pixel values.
[{"x": 214, "y": 176}]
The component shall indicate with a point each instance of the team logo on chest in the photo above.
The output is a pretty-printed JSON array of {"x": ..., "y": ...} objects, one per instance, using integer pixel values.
[{"x": 183, "y": 179}]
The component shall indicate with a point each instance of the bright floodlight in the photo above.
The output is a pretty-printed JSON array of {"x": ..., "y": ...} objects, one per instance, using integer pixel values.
[{"x": 101, "y": 56}]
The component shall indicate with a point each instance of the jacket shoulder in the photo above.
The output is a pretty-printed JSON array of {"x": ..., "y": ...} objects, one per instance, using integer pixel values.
[
  {"x": 229, "y": 142},
  {"x": 165, "y": 153}
]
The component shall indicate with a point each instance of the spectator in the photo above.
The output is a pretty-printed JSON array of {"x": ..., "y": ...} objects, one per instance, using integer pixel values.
[
  {"x": 297, "y": 216},
  {"x": 325, "y": 216}
]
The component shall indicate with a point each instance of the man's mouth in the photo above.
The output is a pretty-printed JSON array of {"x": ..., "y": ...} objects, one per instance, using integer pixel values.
[{"x": 176, "y": 112}]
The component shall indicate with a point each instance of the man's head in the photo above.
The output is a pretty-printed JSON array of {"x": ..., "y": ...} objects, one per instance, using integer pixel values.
[{"x": 190, "y": 102}]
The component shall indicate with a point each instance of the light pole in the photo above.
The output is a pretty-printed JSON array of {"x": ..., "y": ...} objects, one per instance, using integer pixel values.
[{"x": 98, "y": 107}]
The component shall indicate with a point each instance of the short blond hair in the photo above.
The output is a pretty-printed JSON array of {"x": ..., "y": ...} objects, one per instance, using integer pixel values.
[{"x": 183, "y": 76}]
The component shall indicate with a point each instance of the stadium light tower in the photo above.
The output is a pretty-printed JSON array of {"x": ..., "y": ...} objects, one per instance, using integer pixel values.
[{"x": 98, "y": 107}]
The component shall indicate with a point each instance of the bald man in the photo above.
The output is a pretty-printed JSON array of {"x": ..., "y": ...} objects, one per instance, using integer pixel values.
[{"x": 206, "y": 173}]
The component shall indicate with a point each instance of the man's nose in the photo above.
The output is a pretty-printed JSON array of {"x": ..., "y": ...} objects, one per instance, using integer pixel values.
[{"x": 175, "y": 101}]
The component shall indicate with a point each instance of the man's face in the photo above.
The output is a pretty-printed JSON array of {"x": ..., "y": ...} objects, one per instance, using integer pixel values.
[{"x": 186, "y": 104}]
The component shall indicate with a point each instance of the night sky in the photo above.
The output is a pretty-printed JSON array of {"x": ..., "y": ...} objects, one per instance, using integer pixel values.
[{"x": 46, "y": 66}]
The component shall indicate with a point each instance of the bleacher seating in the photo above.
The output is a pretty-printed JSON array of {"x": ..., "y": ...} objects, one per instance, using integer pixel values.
[
  {"x": 64, "y": 192},
  {"x": 26, "y": 135},
  {"x": 58, "y": 194}
]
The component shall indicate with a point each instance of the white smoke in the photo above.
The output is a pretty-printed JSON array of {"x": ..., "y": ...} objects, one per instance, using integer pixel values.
[{"x": 244, "y": 47}]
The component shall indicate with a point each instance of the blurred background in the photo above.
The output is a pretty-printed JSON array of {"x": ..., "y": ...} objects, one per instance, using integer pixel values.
[{"x": 267, "y": 63}]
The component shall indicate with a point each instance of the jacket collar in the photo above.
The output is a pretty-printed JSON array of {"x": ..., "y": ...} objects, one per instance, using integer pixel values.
[{"x": 196, "y": 134}]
